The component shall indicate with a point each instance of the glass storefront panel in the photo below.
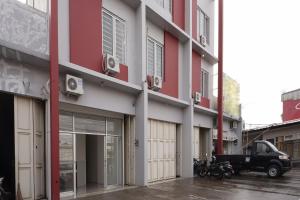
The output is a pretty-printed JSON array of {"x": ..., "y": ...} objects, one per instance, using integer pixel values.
[
  {"x": 114, "y": 127},
  {"x": 90, "y": 124},
  {"x": 66, "y": 158},
  {"x": 65, "y": 122},
  {"x": 110, "y": 130},
  {"x": 113, "y": 160}
]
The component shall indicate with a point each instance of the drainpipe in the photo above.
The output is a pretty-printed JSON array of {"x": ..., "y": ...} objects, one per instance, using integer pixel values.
[
  {"x": 220, "y": 81},
  {"x": 54, "y": 101}
]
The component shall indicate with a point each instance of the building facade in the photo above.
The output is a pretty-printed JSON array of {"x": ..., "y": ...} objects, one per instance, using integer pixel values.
[
  {"x": 135, "y": 93},
  {"x": 290, "y": 105}
]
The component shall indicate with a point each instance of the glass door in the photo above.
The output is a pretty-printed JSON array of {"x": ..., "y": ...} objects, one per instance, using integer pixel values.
[
  {"x": 67, "y": 165},
  {"x": 112, "y": 160},
  {"x": 114, "y": 151}
]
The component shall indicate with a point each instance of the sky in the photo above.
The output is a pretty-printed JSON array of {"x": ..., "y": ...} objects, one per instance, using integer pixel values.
[{"x": 262, "y": 52}]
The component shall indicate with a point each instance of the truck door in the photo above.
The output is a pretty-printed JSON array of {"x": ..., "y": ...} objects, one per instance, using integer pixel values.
[{"x": 261, "y": 155}]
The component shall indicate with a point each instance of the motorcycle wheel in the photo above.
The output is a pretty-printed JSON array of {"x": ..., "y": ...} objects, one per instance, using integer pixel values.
[
  {"x": 202, "y": 172},
  {"x": 228, "y": 175}
]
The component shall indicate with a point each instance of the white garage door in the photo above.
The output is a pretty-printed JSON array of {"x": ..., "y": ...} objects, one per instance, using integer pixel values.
[
  {"x": 161, "y": 140},
  {"x": 29, "y": 147},
  {"x": 200, "y": 143}
]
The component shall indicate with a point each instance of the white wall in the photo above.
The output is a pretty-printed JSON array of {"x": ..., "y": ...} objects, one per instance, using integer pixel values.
[
  {"x": 165, "y": 112},
  {"x": 63, "y": 31},
  {"x": 103, "y": 98},
  {"x": 23, "y": 26},
  {"x": 203, "y": 120},
  {"x": 155, "y": 32},
  {"x": 22, "y": 78},
  {"x": 209, "y": 68},
  {"x": 208, "y": 6}
]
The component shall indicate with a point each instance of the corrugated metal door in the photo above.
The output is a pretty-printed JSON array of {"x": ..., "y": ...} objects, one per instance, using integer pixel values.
[
  {"x": 24, "y": 146},
  {"x": 161, "y": 150},
  {"x": 196, "y": 143},
  {"x": 39, "y": 139},
  {"x": 29, "y": 147}
]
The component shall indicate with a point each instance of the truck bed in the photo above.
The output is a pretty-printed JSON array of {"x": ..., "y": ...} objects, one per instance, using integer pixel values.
[{"x": 238, "y": 162}]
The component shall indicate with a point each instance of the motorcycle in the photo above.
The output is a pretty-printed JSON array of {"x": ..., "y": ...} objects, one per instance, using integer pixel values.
[
  {"x": 3, "y": 194},
  {"x": 228, "y": 169},
  {"x": 215, "y": 169}
]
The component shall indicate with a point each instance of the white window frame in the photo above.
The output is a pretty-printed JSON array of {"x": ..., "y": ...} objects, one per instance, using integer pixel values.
[
  {"x": 206, "y": 24},
  {"x": 203, "y": 72},
  {"x": 156, "y": 43},
  {"x": 114, "y": 18},
  {"x": 26, "y": 2}
]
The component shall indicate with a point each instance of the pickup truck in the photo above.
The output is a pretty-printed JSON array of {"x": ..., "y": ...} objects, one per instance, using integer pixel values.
[{"x": 264, "y": 157}]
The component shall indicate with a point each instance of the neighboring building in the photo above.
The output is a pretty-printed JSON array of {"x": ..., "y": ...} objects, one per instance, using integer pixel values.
[
  {"x": 285, "y": 136},
  {"x": 291, "y": 105},
  {"x": 231, "y": 92},
  {"x": 131, "y": 123},
  {"x": 232, "y": 125}
]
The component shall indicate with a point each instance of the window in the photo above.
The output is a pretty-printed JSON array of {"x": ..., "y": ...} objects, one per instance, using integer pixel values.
[
  {"x": 166, "y": 4},
  {"x": 114, "y": 39},
  {"x": 154, "y": 58},
  {"x": 262, "y": 148},
  {"x": 203, "y": 24},
  {"x": 205, "y": 82},
  {"x": 41, "y": 5}
]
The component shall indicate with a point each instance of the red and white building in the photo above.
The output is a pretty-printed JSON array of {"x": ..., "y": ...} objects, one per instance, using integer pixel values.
[
  {"x": 127, "y": 102},
  {"x": 291, "y": 105}
]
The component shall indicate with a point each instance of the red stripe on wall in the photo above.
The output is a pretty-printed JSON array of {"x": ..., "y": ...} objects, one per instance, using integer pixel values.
[
  {"x": 86, "y": 33},
  {"x": 171, "y": 65},
  {"x": 196, "y": 72},
  {"x": 194, "y": 19},
  {"x": 179, "y": 13}
]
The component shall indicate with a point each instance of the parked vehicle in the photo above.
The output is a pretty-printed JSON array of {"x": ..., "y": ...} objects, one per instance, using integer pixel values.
[
  {"x": 218, "y": 170},
  {"x": 228, "y": 169},
  {"x": 3, "y": 194},
  {"x": 263, "y": 157}
]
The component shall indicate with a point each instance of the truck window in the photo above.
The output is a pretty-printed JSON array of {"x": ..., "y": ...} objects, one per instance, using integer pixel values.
[{"x": 262, "y": 148}]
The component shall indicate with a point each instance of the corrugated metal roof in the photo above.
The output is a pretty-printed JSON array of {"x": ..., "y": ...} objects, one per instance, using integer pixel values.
[{"x": 273, "y": 126}]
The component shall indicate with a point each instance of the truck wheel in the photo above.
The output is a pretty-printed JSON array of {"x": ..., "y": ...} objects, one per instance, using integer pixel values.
[{"x": 273, "y": 171}]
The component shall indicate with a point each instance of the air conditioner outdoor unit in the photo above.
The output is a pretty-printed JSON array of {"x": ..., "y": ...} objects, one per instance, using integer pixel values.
[
  {"x": 154, "y": 82},
  {"x": 111, "y": 65},
  {"x": 203, "y": 41},
  {"x": 197, "y": 97},
  {"x": 74, "y": 85}
]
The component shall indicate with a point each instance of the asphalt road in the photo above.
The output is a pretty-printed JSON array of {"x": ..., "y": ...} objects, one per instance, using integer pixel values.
[{"x": 249, "y": 186}]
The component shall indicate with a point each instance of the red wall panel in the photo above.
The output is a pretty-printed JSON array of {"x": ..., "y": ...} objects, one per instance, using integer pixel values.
[
  {"x": 86, "y": 36},
  {"x": 205, "y": 102},
  {"x": 194, "y": 19},
  {"x": 196, "y": 72},
  {"x": 179, "y": 13},
  {"x": 86, "y": 33},
  {"x": 171, "y": 51},
  {"x": 123, "y": 73},
  {"x": 291, "y": 110}
]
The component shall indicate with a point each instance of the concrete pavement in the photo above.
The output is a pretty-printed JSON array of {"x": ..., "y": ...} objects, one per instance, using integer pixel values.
[{"x": 249, "y": 186}]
